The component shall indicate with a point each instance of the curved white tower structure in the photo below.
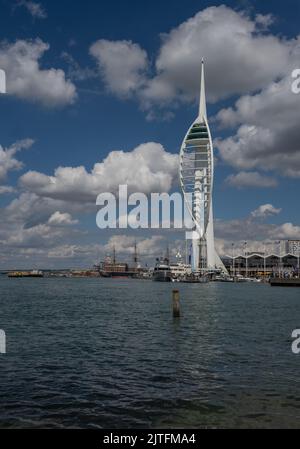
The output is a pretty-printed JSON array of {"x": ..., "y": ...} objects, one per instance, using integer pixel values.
[{"x": 196, "y": 179}]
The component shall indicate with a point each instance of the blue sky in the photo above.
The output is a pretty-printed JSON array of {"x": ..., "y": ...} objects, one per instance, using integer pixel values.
[{"x": 74, "y": 103}]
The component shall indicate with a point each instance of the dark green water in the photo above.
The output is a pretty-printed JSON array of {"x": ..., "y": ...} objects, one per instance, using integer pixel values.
[{"x": 108, "y": 354}]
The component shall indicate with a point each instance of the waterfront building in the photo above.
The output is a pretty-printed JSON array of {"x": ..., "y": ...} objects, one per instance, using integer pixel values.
[
  {"x": 292, "y": 247},
  {"x": 196, "y": 179},
  {"x": 260, "y": 265}
]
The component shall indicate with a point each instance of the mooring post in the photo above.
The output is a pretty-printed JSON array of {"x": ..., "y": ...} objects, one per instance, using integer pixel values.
[{"x": 176, "y": 304}]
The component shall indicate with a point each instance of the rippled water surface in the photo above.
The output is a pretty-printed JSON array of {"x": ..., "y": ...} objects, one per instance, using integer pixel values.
[{"x": 101, "y": 353}]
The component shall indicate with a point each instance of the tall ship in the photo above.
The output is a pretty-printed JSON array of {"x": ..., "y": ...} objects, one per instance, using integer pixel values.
[{"x": 111, "y": 268}]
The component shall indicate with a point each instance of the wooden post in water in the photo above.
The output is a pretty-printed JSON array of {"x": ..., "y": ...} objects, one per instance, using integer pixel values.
[{"x": 176, "y": 304}]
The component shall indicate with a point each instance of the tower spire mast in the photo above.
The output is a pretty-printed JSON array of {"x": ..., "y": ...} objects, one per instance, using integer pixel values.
[
  {"x": 202, "y": 102},
  {"x": 197, "y": 179}
]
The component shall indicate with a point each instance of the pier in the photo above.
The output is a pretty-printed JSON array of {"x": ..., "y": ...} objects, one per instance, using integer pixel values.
[{"x": 282, "y": 282}]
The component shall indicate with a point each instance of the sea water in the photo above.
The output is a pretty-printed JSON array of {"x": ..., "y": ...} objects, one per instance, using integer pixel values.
[{"x": 104, "y": 353}]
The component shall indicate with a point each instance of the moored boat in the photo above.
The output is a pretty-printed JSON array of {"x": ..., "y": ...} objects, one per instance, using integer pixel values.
[{"x": 26, "y": 274}]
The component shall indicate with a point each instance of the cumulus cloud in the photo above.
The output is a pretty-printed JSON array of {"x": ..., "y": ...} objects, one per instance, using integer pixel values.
[
  {"x": 148, "y": 168},
  {"x": 8, "y": 162},
  {"x": 122, "y": 65},
  {"x": 250, "y": 179},
  {"x": 259, "y": 236},
  {"x": 61, "y": 219},
  {"x": 6, "y": 189},
  {"x": 242, "y": 57},
  {"x": 87, "y": 254},
  {"x": 286, "y": 231},
  {"x": 36, "y": 10},
  {"x": 42, "y": 231},
  {"x": 268, "y": 132},
  {"x": 35, "y": 237},
  {"x": 75, "y": 252},
  {"x": 252, "y": 229},
  {"x": 265, "y": 210},
  {"x": 30, "y": 223},
  {"x": 30, "y": 210},
  {"x": 124, "y": 244},
  {"x": 41, "y": 218},
  {"x": 75, "y": 71},
  {"x": 225, "y": 247},
  {"x": 27, "y": 80}
]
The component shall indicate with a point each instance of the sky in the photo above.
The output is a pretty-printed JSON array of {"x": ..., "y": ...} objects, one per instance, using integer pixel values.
[{"x": 102, "y": 93}]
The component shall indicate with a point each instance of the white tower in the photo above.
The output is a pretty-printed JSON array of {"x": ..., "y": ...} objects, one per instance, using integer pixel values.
[{"x": 196, "y": 179}]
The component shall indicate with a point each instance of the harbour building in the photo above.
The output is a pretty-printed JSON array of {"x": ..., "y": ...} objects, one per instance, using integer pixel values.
[{"x": 260, "y": 264}]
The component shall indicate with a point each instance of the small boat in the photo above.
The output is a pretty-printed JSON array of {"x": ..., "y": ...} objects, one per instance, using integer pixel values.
[
  {"x": 223, "y": 279},
  {"x": 195, "y": 280},
  {"x": 26, "y": 274}
]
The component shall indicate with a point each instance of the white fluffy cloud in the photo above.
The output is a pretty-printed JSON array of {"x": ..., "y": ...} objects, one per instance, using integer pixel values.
[
  {"x": 268, "y": 133},
  {"x": 121, "y": 64},
  {"x": 27, "y": 80},
  {"x": 286, "y": 231},
  {"x": 8, "y": 161},
  {"x": 16, "y": 233},
  {"x": 243, "y": 58},
  {"x": 265, "y": 210},
  {"x": 265, "y": 236},
  {"x": 61, "y": 219},
  {"x": 33, "y": 223},
  {"x": 38, "y": 236},
  {"x": 75, "y": 71},
  {"x": 84, "y": 254},
  {"x": 39, "y": 224},
  {"x": 241, "y": 55},
  {"x": 79, "y": 253},
  {"x": 6, "y": 189},
  {"x": 124, "y": 244},
  {"x": 148, "y": 168},
  {"x": 30, "y": 210},
  {"x": 254, "y": 230},
  {"x": 35, "y": 9},
  {"x": 250, "y": 179}
]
